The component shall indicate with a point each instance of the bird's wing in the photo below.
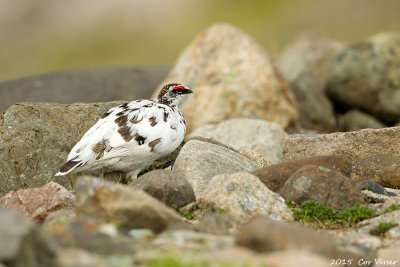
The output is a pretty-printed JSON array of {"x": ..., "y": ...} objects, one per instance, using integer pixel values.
[{"x": 135, "y": 128}]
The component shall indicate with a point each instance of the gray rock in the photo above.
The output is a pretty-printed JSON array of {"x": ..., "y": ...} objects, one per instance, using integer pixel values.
[
  {"x": 264, "y": 235},
  {"x": 383, "y": 169},
  {"x": 23, "y": 244},
  {"x": 323, "y": 185},
  {"x": 169, "y": 187},
  {"x": 264, "y": 137},
  {"x": 35, "y": 139},
  {"x": 354, "y": 120},
  {"x": 366, "y": 76},
  {"x": 87, "y": 85},
  {"x": 93, "y": 236},
  {"x": 183, "y": 239},
  {"x": 304, "y": 64},
  {"x": 200, "y": 161},
  {"x": 58, "y": 218},
  {"x": 242, "y": 196},
  {"x": 225, "y": 63},
  {"x": 128, "y": 207},
  {"x": 353, "y": 145},
  {"x": 38, "y": 203}
]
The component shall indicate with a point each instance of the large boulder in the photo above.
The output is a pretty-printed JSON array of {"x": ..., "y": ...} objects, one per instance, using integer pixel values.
[
  {"x": 366, "y": 76},
  {"x": 35, "y": 139},
  {"x": 264, "y": 137},
  {"x": 353, "y": 145},
  {"x": 232, "y": 76},
  {"x": 87, "y": 85},
  {"x": 128, "y": 207}
]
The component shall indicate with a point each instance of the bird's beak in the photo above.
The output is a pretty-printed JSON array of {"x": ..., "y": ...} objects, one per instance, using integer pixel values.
[{"x": 187, "y": 91}]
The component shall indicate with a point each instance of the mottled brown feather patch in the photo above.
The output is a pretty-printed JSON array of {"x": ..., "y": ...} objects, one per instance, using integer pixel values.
[
  {"x": 166, "y": 116},
  {"x": 121, "y": 121},
  {"x": 152, "y": 121},
  {"x": 153, "y": 143},
  {"x": 100, "y": 147},
  {"x": 68, "y": 165},
  {"x": 173, "y": 128},
  {"x": 105, "y": 115},
  {"x": 135, "y": 120},
  {"x": 125, "y": 133}
]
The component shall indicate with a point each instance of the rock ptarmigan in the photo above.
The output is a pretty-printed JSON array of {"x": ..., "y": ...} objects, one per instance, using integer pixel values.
[{"x": 131, "y": 136}]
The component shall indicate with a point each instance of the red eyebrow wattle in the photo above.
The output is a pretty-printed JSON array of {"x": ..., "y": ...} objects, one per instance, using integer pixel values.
[{"x": 178, "y": 87}]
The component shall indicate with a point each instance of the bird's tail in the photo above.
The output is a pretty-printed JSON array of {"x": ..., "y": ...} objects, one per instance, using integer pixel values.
[{"x": 68, "y": 167}]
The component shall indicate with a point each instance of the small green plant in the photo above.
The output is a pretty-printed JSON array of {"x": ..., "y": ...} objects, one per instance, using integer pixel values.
[
  {"x": 317, "y": 214},
  {"x": 382, "y": 228},
  {"x": 392, "y": 208}
]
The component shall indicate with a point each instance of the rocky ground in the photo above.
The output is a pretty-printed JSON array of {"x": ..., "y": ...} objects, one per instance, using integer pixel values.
[{"x": 269, "y": 174}]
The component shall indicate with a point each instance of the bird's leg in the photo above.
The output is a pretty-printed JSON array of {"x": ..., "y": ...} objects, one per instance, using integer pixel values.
[
  {"x": 132, "y": 175},
  {"x": 69, "y": 176},
  {"x": 102, "y": 173}
]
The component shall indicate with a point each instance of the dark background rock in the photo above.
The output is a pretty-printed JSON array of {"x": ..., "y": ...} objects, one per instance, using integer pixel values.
[
  {"x": 354, "y": 120},
  {"x": 304, "y": 64},
  {"x": 374, "y": 187},
  {"x": 323, "y": 185},
  {"x": 383, "y": 169},
  {"x": 366, "y": 76},
  {"x": 87, "y": 85},
  {"x": 23, "y": 244},
  {"x": 315, "y": 109},
  {"x": 35, "y": 139},
  {"x": 276, "y": 175},
  {"x": 169, "y": 187}
]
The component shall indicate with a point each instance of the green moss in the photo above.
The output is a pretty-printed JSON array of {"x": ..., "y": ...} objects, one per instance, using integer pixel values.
[
  {"x": 382, "y": 228},
  {"x": 324, "y": 169},
  {"x": 392, "y": 208},
  {"x": 171, "y": 259},
  {"x": 317, "y": 214}
]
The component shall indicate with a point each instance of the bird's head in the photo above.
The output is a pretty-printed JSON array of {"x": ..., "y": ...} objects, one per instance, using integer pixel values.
[{"x": 172, "y": 93}]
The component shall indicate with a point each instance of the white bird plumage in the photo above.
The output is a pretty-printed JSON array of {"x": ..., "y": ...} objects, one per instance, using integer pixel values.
[{"x": 131, "y": 136}]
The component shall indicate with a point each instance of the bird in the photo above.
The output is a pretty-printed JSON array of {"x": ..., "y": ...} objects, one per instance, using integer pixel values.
[{"x": 131, "y": 136}]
